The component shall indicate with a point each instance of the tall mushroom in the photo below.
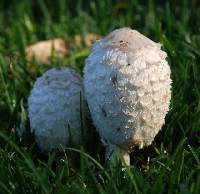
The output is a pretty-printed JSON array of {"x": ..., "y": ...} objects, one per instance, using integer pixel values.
[
  {"x": 54, "y": 108},
  {"x": 128, "y": 88}
]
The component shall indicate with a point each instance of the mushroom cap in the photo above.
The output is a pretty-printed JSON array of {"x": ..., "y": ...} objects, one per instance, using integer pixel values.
[
  {"x": 128, "y": 88},
  {"x": 43, "y": 50},
  {"x": 54, "y": 108}
]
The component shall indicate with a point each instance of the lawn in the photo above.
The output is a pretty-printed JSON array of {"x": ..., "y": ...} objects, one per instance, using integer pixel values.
[{"x": 170, "y": 165}]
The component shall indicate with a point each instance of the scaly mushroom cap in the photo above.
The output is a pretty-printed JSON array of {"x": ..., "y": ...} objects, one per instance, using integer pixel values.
[
  {"x": 54, "y": 108},
  {"x": 128, "y": 88}
]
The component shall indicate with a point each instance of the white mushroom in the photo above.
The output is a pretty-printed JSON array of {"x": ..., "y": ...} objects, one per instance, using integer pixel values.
[
  {"x": 54, "y": 109},
  {"x": 128, "y": 88}
]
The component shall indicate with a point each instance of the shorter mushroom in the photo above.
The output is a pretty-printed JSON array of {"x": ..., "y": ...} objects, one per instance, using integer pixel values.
[{"x": 55, "y": 114}]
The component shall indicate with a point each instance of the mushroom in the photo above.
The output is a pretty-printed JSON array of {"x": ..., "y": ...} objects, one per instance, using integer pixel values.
[
  {"x": 86, "y": 40},
  {"x": 128, "y": 89},
  {"x": 42, "y": 51},
  {"x": 54, "y": 109}
]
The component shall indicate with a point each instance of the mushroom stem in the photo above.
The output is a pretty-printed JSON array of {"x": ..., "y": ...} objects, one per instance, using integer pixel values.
[{"x": 114, "y": 153}]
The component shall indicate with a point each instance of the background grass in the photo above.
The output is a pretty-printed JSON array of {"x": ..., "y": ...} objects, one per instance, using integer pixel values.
[{"x": 170, "y": 165}]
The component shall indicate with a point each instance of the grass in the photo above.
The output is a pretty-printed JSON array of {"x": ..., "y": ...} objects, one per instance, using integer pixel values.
[{"x": 170, "y": 165}]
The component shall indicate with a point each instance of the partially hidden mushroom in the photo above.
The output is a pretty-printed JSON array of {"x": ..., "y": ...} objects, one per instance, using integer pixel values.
[
  {"x": 42, "y": 51},
  {"x": 57, "y": 111},
  {"x": 128, "y": 89}
]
